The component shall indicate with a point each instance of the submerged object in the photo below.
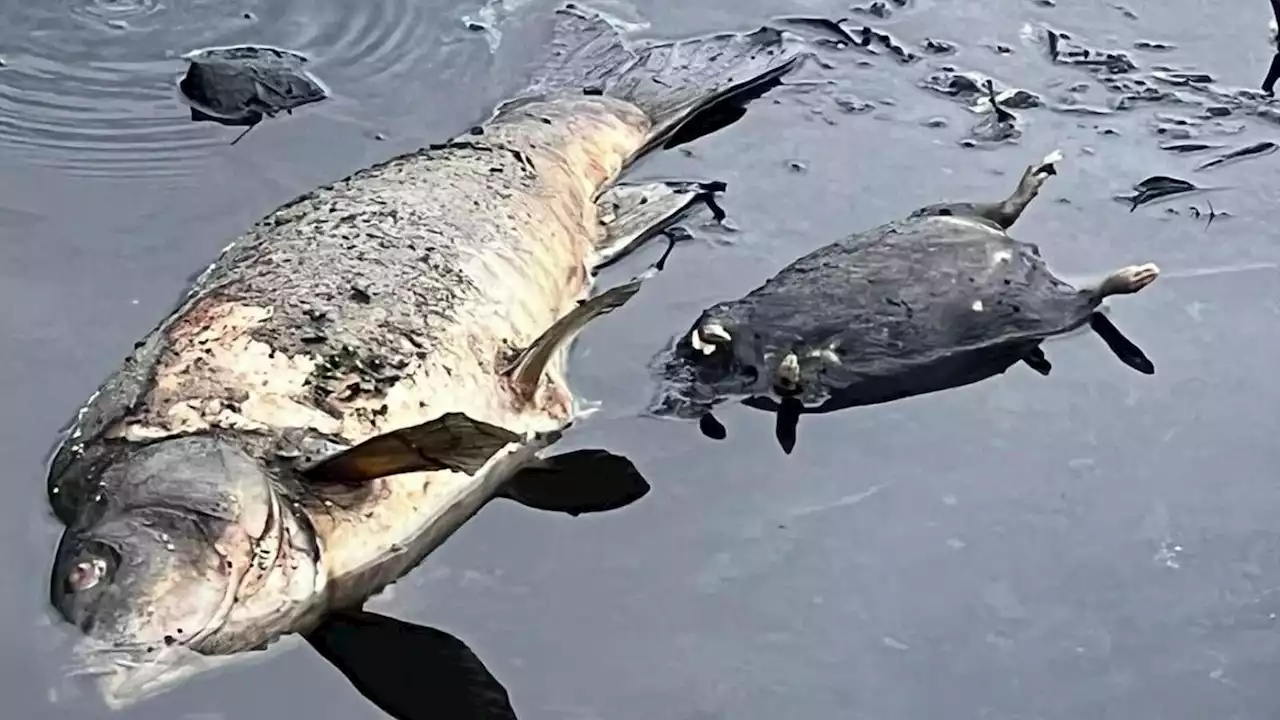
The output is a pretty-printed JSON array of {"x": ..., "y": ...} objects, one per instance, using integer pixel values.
[
  {"x": 239, "y": 85},
  {"x": 936, "y": 300},
  {"x": 370, "y": 364}
]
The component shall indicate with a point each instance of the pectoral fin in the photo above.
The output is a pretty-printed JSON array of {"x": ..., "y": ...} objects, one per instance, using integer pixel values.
[
  {"x": 526, "y": 370},
  {"x": 450, "y": 442},
  {"x": 635, "y": 214},
  {"x": 582, "y": 481}
]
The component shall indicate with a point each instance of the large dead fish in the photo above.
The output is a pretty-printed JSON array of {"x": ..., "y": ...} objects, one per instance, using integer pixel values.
[{"x": 367, "y": 366}]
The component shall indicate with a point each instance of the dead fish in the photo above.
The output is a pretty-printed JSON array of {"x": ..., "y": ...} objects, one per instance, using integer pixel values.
[
  {"x": 364, "y": 369},
  {"x": 1255, "y": 150},
  {"x": 1157, "y": 187},
  {"x": 239, "y": 85}
]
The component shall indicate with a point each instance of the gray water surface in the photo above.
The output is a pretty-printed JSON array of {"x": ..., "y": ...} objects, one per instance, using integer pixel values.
[{"x": 1094, "y": 544}]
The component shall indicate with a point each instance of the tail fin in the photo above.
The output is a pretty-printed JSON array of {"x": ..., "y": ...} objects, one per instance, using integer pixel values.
[{"x": 672, "y": 82}]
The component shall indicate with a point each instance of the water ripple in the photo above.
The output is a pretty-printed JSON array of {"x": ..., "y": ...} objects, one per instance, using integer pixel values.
[{"x": 88, "y": 86}]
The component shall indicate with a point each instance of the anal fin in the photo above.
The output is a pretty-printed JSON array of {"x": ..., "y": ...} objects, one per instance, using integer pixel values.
[
  {"x": 526, "y": 370},
  {"x": 633, "y": 214},
  {"x": 582, "y": 481},
  {"x": 452, "y": 441}
]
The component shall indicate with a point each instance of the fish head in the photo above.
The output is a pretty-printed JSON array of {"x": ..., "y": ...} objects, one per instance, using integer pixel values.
[{"x": 191, "y": 555}]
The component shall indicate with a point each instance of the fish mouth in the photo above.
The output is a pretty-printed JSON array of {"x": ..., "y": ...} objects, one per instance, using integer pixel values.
[{"x": 125, "y": 677}]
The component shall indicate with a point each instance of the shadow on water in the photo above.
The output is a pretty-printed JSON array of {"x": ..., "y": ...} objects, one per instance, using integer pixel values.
[{"x": 409, "y": 671}]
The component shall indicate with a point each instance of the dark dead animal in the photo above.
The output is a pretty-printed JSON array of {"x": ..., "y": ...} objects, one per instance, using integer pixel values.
[
  {"x": 240, "y": 85},
  {"x": 939, "y": 299}
]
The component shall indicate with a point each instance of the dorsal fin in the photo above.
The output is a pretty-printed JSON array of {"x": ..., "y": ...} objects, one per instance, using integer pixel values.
[{"x": 526, "y": 370}]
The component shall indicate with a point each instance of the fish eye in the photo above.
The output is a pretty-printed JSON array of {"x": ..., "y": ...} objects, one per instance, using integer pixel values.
[
  {"x": 86, "y": 574},
  {"x": 89, "y": 569}
]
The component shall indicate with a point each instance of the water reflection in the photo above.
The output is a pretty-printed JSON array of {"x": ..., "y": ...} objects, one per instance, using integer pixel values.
[
  {"x": 937, "y": 300},
  {"x": 410, "y": 671}
]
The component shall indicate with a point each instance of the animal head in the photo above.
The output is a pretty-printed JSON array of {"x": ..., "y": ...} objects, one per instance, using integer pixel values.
[
  {"x": 193, "y": 555},
  {"x": 716, "y": 360}
]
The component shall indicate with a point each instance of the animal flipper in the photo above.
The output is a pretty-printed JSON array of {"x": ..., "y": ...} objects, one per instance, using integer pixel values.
[
  {"x": 1036, "y": 360},
  {"x": 450, "y": 442},
  {"x": 711, "y": 78},
  {"x": 1124, "y": 348},
  {"x": 409, "y": 671},
  {"x": 1033, "y": 178},
  {"x": 635, "y": 213},
  {"x": 577, "y": 482},
  {"x": 525, "y": 372}
]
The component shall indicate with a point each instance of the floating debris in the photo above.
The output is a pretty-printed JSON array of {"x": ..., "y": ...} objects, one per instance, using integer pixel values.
[
  {"x": 1182, "y": 78},
  {"x": 863, "y": 37},
  {"x": 239, "y": 85},
  {"x": 1157, "y": 187},
  {"x": 1211, "y": 213},
  {"x": 999, "y": 126},
  {"x": 880, "y": 9},
  {"x": 1252, "y": 151},
  {"x": 1188, "y": 147},
  {"x": 1065, "y": 51},
  {"x": 973, "y": 87},
  {"x": 934, "y": 46}
]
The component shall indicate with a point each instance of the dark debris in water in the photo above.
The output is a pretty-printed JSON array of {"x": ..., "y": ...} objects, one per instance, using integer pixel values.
[
  {"x": 970, "y": 87},
  {"x": 998, "y": 124},
  {"x": 880, "y": 9},
  {"x": 1186, "y": 148},
  {"x": 863, "y": 37},
  {"x": 1255, "y": 150},
  {"x": 1065, "y": 51},
  {"x": 934, "y": 46},
  {"x": 1157, "y": 187},
  {"x": 243, "y": 84}
]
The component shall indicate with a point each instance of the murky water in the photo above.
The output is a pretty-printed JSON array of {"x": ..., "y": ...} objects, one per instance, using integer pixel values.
[{"x": 1091, "y": 544}]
